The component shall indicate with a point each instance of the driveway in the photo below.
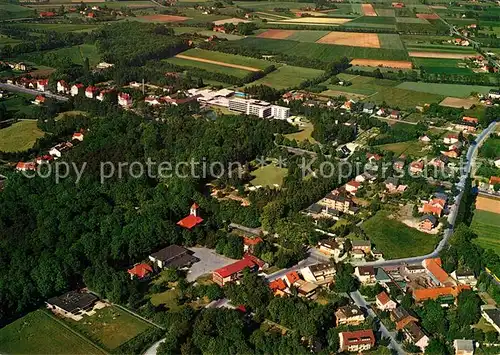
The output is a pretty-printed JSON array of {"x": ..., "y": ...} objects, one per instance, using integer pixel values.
[{"x": 209, "y": 261}]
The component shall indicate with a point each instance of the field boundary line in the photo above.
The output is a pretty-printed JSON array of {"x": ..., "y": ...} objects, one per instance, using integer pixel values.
[
  {"x": 81, "y": 336},
  {"x": 203, "y": 60}
]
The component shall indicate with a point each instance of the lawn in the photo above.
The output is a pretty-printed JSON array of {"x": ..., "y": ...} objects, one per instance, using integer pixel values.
[
  {"x": 304, "y": 134},
  {"x": 395, "y": 239},
  {"x": 410, "y": 148},
  {"x": 228, "y": 58},
  {"x": 13, "y": 11},
  {"x": 486, "y": 225},
  {"x": 19, "y": 137},
  {"x": 455, "y": 90},
  {"x": 66, "y": 114},
  {"x": 39, "y": 333},
  {"x": 186, "y": 63},
  {"x": 110, "y": 326},
  {"x": 269, "y": 175},
  {"x": 490, "y": 148},
  {"x": 288, "y": 77}
]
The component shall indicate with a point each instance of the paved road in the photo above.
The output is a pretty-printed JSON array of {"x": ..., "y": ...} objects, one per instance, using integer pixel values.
[
  {"x": 313, "y": 258},
  {"x": 360, "y": 302},
  {"x": 471, "y": 155},
  {"x": 12, "y": 87}
]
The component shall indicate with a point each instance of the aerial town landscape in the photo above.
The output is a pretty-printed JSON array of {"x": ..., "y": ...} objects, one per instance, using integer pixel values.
[{"x": 249, "y": 177}]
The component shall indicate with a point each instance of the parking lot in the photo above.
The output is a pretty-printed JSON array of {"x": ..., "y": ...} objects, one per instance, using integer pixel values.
[{"x": 209, "y": 261}]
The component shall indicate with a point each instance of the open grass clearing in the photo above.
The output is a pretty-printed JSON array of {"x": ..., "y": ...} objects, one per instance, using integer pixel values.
[
  {"x": 269, "y": 175},
  {"x": 395, "y": 239},
  {"x": 288, "y": 76},
  {"x": 486, "y": 225},
  {"x": 306, "y": 129},
  {"x": 20, "y": 136},
  {"x": 110, "y": 326},
  {"x": 39, "y": 333},
  {"x": 77, "y": 54},
  {"x": 455, "y": 90},
  {"x": 410, "y": 148}
]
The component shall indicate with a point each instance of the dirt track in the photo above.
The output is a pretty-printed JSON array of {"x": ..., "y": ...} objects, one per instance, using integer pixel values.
[
  {"x": 442, "y": 55},
  {"x": 399, "y": 64},
  {"x": 236, "y": 66},
  {"x": 488, "y": 204}
]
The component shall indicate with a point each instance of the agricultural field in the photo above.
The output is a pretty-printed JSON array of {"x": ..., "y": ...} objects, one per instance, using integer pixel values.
[
  {"x": 58, "y": 27},
  {"x": 456, "y": 90},
  {"x": 373, "y": 22},
  {"x": 256, "y": 64},
  {"x": 77, "y": 54},
  {"x": 39, "y": 333},
  {"x": 486, "y": 225},
  {"x": 439, "y": 65},
  {"x": 12, "y": 11},
  {"x": 187, "y": 63},
  {"x": 110, "y": 327},
  {"x": 4, "y": 40},
  {"x": 318, "y": 51},
  {"x": 20, "y": 136},
  {"x": 288, "y": 76},
  {"x": 395, "y": 239}
]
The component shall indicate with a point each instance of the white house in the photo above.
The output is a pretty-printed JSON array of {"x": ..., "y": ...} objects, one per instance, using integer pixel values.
[
  {"x": 75, "y": 89},
  {"x": 450, "y": 139},
  {"x": 365, "y": 274},
  {"x": 124, "y": 99},
  {"x": 90, "y": 92},
  {"x": 62, "y": 87},
  {"x": 384, "y": 302},
  {"x": 43, "y": 84},
  {"x": 59, "y": 149}
]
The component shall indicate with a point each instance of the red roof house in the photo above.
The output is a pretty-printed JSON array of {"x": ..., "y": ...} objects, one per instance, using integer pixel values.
[
  {"x": 291, "y": 278},
  {"x": 192, "y": 220},
  {"x": 47, "y": 14},
  {"x": 140, "y": 271},
  {"x": 357, "y": 341},
  {"x": 233, "y": 272},
  {"x": 22, "y": 166}
]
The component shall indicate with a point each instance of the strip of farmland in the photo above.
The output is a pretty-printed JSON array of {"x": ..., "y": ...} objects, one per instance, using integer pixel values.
[{"x": 236, "y": 66}]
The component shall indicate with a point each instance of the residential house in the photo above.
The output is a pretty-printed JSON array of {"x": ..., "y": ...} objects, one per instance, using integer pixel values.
[
  {"x": 72, "y": 304},
  {"x": 338, "y": 202},
  {"x": 152, "y": 100},
  {"x": 382, "y": 112},
  {"x": 391, "y": 184},
  {"x": 234, "y": 271},
  {"x": 349, "y": 315},
  {"x": 494, "y": 180},
  {"x": 44, "y": 159},
  {"x": 450, "y": 139},
  {"x": 415, "y": 335},
  {"x": 399, "y": 164},
  {"x": 466, "y": 126},
  {"x": 58, "y": 150},
  {"x": 384, "y": 302},
  {"x": 77, "y": 136},
  {"x": 305, "y": 288},
  {"x": 62, "y": 87},
  {"x": 445, "y": 295},
  {"x": 28, "y": 166},
  {"x": 436, "y": 272},
  {"x": 173, "y": 256},
  {"x": 365, "y": 274},
  {"x": 250, "y": 243},
  {"x": 401, "y": 317},
  {"x": 330, "y": 247},
  {"x": 366, "y": 176},
  {"x": 104, "y": 65},
  {"x": 425, "y": 139},
  {"x": 494, "y": 94},
  {"x": 291, "y": 278},
  {"x": 435, "y": 206},
  {"x": 463, "y": 347},
  {"x": 141, "y": 271},
  {"x": 278, "y": 287},
  {"x": 193, "y": 219},
  {"x": 322, "y": 273},
  {"x": 357, "y": 341},
  {"x": 497, "y": 163},
  {"x": 492, "y": 315},
  {"x": 102, "y": 95},
  {"x": 364, "y": 245},
  {"x": 352, "y": 187},
  {"x": 47, "y": 14},
  {"x": 440, "y": 162},
  {"x": 75, "y": 89},
  {"x": 348, "y": 105},
  {"x": 464, "y": 277},
  {"x": 368, "y": 108},
  {"x": 91, "y": 92},
  {"x": 414, "y": 269},
  {"x": 42, "y": 84},
  {"x": 381, "y": 276},
  {"x": 417, "y": 167},
  {"x": 452, "y": 153},
  {"x": 21, "y": 66},
  {"x": 39, "y": 100},
  {"x": 427, "y": 222},
  {"x": 124, "y": 99},
  {"x": 395, "y": 114}
]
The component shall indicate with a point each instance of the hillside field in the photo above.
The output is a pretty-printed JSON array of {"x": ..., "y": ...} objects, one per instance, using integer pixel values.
[{"x": 288, "y": 76}]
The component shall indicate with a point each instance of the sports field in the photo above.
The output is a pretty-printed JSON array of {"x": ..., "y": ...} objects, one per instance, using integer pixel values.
[
  {"x": 288, "y": 76},
  {"x": 455, "y": 90},
  {"x": 110, "y": 326},
  {"x": 395, "y": 239},
  {"x": 486, "y": 225},
  {"x": 20, "y": 136},
  {"x": 39, "y": 333}
]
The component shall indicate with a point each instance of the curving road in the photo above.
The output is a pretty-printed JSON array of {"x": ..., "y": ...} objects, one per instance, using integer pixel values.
[{"x": 12, "y": 87}]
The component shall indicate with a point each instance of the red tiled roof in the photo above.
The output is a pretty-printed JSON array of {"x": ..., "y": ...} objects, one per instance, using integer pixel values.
[
  {"x": 354, "y": 183},
  {"x": 292, "y": 277},
  {"x": 43, "y": 82},
  {"x": 252, "y": 241},
  {"x": 195, "y": 206},
  {"x": 255, "y": 260},
  {"x": 190, "y": 221},
  {"x": 383, "y": 298},
  {"x": 26, "y": 166},
  {"x": 40, "y": 98},
  {"x": 234, "y": 268},
  {"x": 91, "y": 89},
  {"x": 434, "y": 267},
  {"x": 277, "y": 284},
  {"x": 434, "y": 293},
  {"x": 79, "y": 85},
  {"x": 494, "y": 180},
  {"x": 140, "y": 270},
  {"x": 358, "y": 337}
]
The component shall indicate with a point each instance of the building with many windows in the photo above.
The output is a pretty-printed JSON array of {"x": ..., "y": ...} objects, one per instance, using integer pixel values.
[{"x": 258, "y": 108}]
